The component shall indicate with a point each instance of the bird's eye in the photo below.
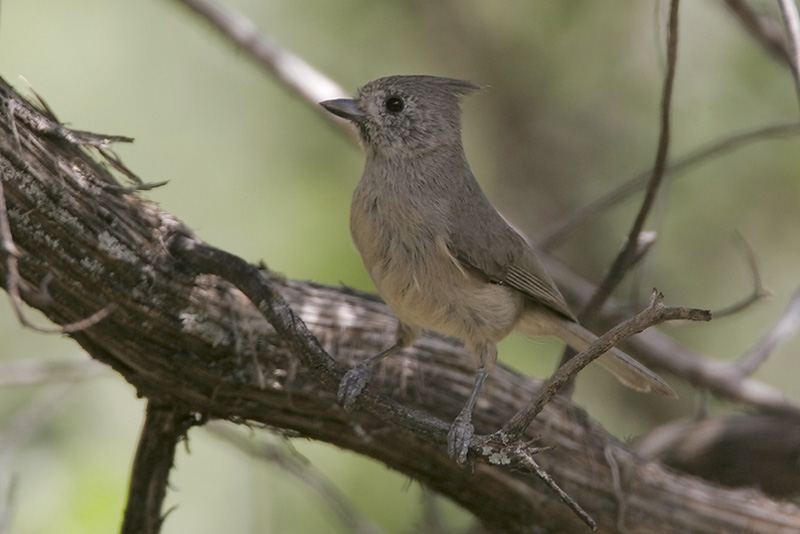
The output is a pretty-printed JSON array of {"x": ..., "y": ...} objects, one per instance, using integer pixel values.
[{"x": 394, "y": 104}]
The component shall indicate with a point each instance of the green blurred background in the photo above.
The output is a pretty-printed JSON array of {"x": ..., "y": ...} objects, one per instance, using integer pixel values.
[{"x": 570, "y": 112}]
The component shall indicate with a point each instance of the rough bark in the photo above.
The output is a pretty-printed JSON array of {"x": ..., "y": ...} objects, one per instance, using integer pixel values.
[{"x": 196, "y": 344}]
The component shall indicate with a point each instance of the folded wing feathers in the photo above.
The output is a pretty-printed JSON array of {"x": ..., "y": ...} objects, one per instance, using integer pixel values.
[{"x": 538, "y": 288}]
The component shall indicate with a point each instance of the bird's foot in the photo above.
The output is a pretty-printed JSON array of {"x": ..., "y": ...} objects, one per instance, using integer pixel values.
[
  {"x": 459, "y": 437},
  {"x": 351, "y": 385}
]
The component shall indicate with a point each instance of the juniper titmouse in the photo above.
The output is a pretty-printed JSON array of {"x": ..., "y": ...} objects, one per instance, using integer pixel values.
[{"x": 440, "y": 255}]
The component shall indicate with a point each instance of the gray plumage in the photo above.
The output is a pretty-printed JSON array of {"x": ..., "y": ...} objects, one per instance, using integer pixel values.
[{"x": 438, "y": 252}]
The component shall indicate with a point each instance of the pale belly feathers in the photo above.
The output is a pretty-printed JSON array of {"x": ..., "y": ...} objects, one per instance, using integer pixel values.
[{"x": 425, "y": 285}]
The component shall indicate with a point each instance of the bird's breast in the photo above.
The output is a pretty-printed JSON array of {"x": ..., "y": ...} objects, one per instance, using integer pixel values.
[{"x": 407, "y": 256}]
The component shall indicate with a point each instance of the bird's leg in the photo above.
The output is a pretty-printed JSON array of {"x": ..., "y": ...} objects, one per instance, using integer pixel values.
[
  {"x": 461, "y": 430},
  {"x": 356, "y": 378}
]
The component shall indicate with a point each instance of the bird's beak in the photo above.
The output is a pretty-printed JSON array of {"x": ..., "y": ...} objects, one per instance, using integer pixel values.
[{"x": 345, "y": 108}]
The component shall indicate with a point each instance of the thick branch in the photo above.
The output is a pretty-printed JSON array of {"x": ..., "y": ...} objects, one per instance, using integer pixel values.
[{"x": 196, "y": 343}]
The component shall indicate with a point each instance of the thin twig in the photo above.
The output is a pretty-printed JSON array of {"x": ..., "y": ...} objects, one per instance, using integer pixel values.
[
  {"x": 7, "y": 246},
  {"x": 93, "y": 319},
  {"x": 13, "y": 284},
  {"x": 765, "y": 30},
  {"x": 759, "y": 292},
  {"x": 623, "y": 260},
  {"x": 662, "y": 352},
  {"x": 526, "y": 456},
  {"x": 9, "y": 249},
  {"x": 715, "y": 376},
  {"x": 519, "y": 456},
  {"x": 792, "y": 19},
  {"x": 644, "y": 244},
  {"x": 563, "y": 228},
  {"x": 46, "y": 123},
  {"x": 117, "y": 164},
  {"x": 783, "y": 329},
  {"x": 642, "y": 257},
  {"x": 655, "y": 313}
]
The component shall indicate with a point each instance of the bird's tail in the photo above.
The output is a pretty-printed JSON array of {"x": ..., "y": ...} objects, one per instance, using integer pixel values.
[{"x": 627, "y": 370}]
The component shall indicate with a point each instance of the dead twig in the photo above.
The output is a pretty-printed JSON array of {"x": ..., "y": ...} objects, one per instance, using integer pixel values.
[
  {"x": 658, "y": 350},
  {"x": 566, "y": 226},
  {"x": 496, "y": 446},
  {"x": 783, "y": 329},
  {"x": 624, "y": 259},
  {"x": 46, "y": 123},
  {"x": 764, "y": 29},
  {"x": 741, "y": 450},
  {"x": 12, "y": 254},
  {"x": 759, "y": 292},
  {"x": 655, "y": 313},
  {"x": 525, "y": 462}
]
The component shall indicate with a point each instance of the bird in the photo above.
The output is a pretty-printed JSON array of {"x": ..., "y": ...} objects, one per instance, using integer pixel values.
[{"x": 440, "y": 255}]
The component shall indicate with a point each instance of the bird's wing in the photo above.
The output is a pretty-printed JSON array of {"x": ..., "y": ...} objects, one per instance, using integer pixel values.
[{"x": 496, "y": 251}]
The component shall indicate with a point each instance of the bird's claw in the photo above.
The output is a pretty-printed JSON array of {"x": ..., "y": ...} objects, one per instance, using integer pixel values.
[
  {"x": 459, "y": 436},
  {"x": 352, "y": 384}
]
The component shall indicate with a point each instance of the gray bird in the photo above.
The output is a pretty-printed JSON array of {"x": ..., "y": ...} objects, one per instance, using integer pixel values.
[{"x": 438, "y": 252}]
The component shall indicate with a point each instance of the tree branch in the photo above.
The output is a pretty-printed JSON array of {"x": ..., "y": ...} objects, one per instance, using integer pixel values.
[
  {"x": 766, "y": 30},
  {"x": 661, "y": 352},
  {"x": 164, "y": 427},
  {"x": 624, "y": 259},
  {"x": 723, "y": 449},
  {"x": 785, "y": 328},
  {"x": 193, "y": 343},
  {"x": 561, "y": 229},
  {"x": 655, "y": 313}
]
